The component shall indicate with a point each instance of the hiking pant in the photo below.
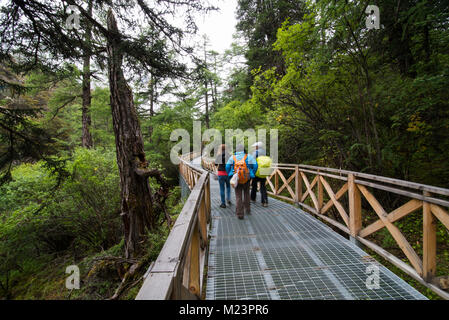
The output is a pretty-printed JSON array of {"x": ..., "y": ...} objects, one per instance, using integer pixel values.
[
  {"x": 224, "y": 182},
  {"x": 242, "y": 201},
  {"x": 263, "y": 189}
]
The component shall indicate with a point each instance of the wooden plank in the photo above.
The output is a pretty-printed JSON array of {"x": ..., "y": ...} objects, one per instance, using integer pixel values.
[
  {"x": 333, "y": 176},
  {"x": 394, "y": 231},
  {"x": 202, "y": 220},
  {"x": 194, "y": 269},
  {"x": 337, "y": 204},
  {"x": 309, "y": 190},
  {"x": 338, "y": 195},
  {"x": 183, "y": 277},
  {"x": 403, "y": 193},
  {"x": 208, "y": 200},
  {"x": 395, "y": 215},
  {"x": 429, "y": 242},
  {"x": 281, "y": 197},
  {"x": 441, "y": 214},
  {"x": 157, "y": 286},
  {"x": 397, "y": 182}
]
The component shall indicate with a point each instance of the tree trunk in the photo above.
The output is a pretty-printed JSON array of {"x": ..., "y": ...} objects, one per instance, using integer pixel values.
[
  {"x": 205, "y": 85},
  {"x": 207, "y": 105},
  {"x": 152, "y": 99},
  {"x": 86, "y": 120},
  {"x": 136, "y": 196}
]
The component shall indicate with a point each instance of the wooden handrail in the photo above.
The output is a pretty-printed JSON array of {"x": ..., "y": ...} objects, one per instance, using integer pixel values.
[
  {"x": 292, "y": 184},
  {"x": 178, "y": 270}
]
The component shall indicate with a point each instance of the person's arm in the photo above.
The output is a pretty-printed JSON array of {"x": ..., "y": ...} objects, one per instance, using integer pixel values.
[
  {"x": 229, "y": 165},
  {"x": 252, "y": 164}
]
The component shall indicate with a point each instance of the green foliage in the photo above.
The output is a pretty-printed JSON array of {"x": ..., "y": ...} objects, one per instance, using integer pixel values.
[
  {"x": 169, "y": 118},
  {"x": 39, "y": 220}
]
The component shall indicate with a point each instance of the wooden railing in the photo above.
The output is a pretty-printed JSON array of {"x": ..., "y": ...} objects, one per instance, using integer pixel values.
[
  {"x": 178, "y": 271},
  {"x": 313, "y": 188}
]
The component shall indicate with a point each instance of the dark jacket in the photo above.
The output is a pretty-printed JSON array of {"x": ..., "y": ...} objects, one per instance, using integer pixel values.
[{"x": 221, "y": 160}]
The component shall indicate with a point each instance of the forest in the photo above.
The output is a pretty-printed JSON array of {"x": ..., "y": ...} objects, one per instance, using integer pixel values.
[{"x": 88, "y": 103}]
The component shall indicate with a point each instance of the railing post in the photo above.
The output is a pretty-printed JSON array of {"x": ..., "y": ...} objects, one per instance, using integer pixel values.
[
  {"x": 320, "y": 193},
  {"x": 429, "y": 241},
  {"x": 276, "y": 182},
  {"x": 298, "y": 185},
  {"x": 194, "y": 268},
  {"x": 208, "y": 200},
  {"x": 355, "y": 209},
  {"x": 202, "y": 220}
]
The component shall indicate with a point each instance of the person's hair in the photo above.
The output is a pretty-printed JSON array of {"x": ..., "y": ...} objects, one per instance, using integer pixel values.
[{"x": 221, "y": 149}]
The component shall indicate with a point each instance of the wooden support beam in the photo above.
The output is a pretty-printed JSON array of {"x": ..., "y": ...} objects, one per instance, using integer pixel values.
[
  {"x": 338, "y": 195},
  {"x": 276, "y": 182},
  {"x": 309, "y": 191},
  {"x": 194, "y": 268},
  {"x": 355, "y": 206},
  {"x": 337, "y": 204},
  {"x": 394, "y": 231},
  {"x": 320, "y": 193},
  {"x": 429, "y": 241},
  {"x": 393, "y": 216},
  {"x": 298, "y": 185},
  {"x": 286, "y": 184},
  {"x": 314, "y": 181},
  {"x": 441, "y": 214}
]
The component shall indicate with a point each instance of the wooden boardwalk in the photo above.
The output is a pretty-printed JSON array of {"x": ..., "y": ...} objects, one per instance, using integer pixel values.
[{"x": 282, "y": 252}]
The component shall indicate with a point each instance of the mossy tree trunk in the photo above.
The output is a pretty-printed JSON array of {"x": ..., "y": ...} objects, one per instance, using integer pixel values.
[{"x": 136, "y": 196}]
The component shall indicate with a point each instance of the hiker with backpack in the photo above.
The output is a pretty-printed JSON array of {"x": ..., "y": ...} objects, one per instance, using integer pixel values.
[
  {"x": 245, "y": 167},
  {"x": 263, "y": 163},
  {"x": 223, "y": 178}
]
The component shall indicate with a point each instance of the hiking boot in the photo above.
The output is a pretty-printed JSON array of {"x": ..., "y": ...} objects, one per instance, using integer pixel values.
[{"x": 222, "y": 205}]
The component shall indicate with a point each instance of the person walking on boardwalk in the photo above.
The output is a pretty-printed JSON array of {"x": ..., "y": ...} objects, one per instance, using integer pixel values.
[
  {"x": 223, "y": 178},
  {"x": 259, "y": 178},
  {"x": 245, "y": 166}
]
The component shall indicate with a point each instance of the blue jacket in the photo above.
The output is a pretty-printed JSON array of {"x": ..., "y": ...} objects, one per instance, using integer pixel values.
[{"x": 251, "y": 163}]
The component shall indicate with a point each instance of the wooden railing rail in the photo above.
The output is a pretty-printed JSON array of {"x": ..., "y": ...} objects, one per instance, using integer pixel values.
[
  {"x": 316, "y": 195},
  {"x": 178, "y": 271}
]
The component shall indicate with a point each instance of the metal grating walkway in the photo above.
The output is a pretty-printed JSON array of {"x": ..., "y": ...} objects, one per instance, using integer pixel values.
[{"x": 282, "y": 252}]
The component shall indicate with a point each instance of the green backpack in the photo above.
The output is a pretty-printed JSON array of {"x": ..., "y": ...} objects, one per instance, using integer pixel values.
[{"x": 264, "y": 163}]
